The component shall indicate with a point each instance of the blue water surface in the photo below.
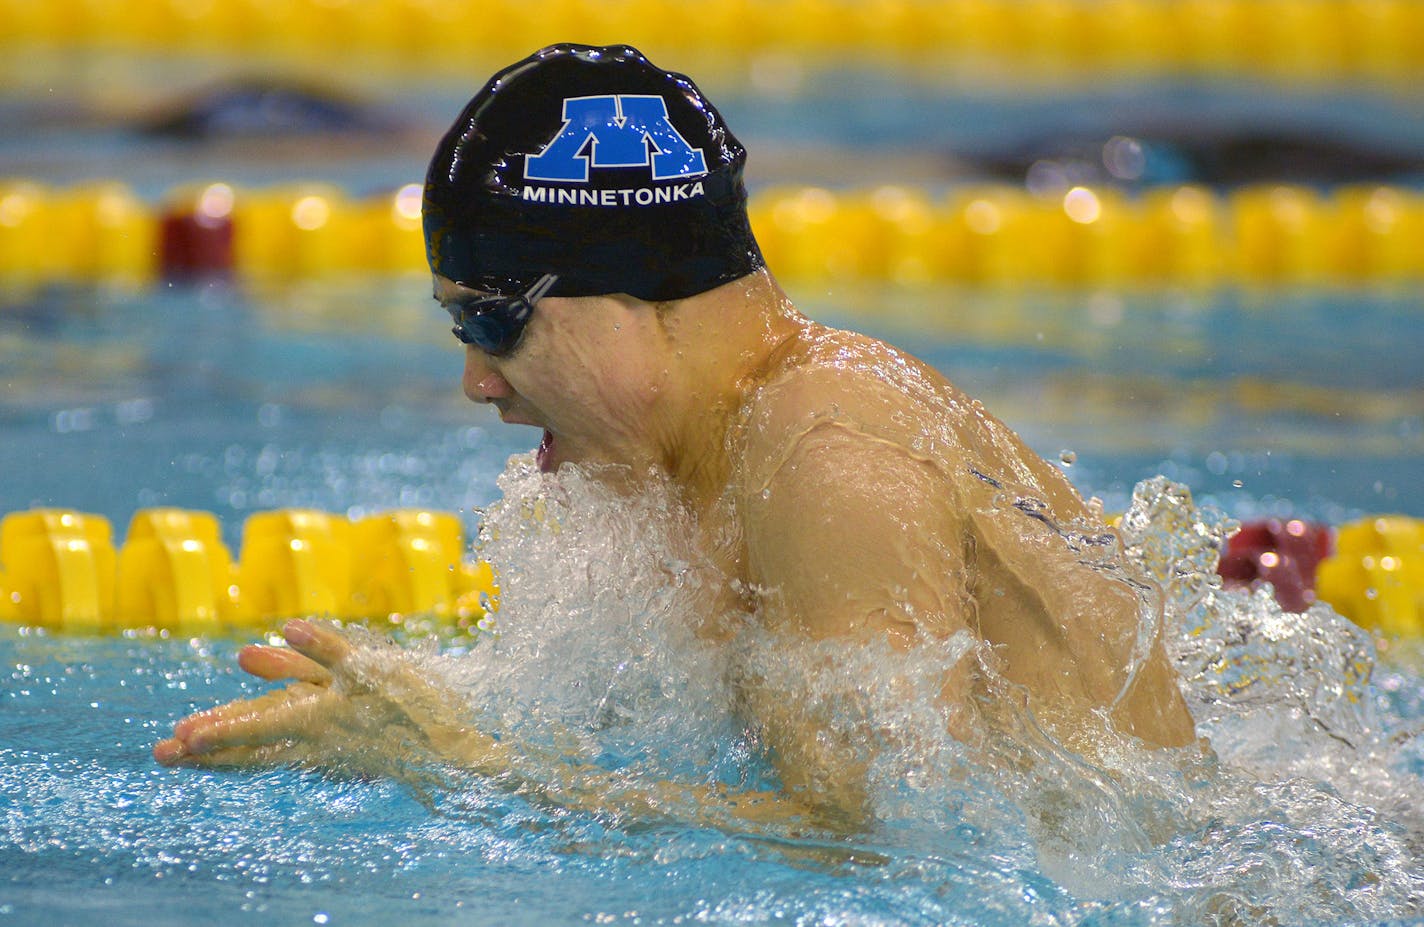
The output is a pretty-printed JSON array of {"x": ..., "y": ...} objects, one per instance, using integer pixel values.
[
  {"x": 214, "y": 398},
  {"x": 93, "y": 831},
  {"x": 344, "y": 395}
]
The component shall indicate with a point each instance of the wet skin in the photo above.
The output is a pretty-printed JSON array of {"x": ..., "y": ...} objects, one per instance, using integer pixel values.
[
  {"x": 854, "y": 489},
  {"x": 328, "y": 707}
]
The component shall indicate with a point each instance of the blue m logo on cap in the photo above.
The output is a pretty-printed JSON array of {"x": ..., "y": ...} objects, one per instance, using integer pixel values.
[{"x": 626, "y": 130}]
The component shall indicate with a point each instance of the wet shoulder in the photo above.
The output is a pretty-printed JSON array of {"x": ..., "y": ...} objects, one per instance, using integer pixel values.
[
  {"x": 864, "y": 383},
  {"x": 859, "y": 384}
]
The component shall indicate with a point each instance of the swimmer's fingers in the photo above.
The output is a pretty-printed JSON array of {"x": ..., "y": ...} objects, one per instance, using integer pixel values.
[
  {"x": 384, "y": 673},
  {"x": 173, "y": 753},
  {"x": 314, "y": 649},
  {"x": 201, "y": 720},
  {"x": 320, "y": 642},
  {"x": 169, "y": 752},
  {"x": 274, "y": 663},
  {"x": 267, "y": 720}
]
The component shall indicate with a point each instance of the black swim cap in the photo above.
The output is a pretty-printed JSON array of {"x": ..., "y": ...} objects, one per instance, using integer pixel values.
[{"x": 592, "y": 164}]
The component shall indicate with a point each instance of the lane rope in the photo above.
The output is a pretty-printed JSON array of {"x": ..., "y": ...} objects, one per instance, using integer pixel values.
[
  {"x": 982, "y": 235},
  {"x": 1052, "y": 40},
  {"x": 61, "y": 569}
]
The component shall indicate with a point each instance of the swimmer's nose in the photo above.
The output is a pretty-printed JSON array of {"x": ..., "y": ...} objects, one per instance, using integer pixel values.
[{"x": 481, "y": 382}]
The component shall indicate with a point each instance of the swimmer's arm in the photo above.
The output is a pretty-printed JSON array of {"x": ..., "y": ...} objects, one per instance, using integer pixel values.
[
  {"x": 852, "y": 537},
  {"x": 1093, "y": 619},
  {"x": 392, "y": 720}
]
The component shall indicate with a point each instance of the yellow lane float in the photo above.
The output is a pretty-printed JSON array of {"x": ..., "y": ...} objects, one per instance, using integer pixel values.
[
  {"x": 995, "y": 235},
  {"x": 1296, "y": 41},
  {"x": 1376, "y": 576},
  {"x": 59, "y": 569}
]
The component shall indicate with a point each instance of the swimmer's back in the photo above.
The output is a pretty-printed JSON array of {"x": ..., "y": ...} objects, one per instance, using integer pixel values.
[{"x": 985, "y": 521}]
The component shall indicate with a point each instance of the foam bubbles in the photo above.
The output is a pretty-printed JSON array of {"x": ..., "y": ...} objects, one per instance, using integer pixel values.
[
  {"x": 595, "y": 645},
  {"x": 1306, "y": 801},
  {"x": 1301, "y": 804}
]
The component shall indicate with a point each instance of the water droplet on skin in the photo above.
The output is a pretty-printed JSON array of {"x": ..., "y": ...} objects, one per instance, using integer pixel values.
[{"x": 766, "y": 493}]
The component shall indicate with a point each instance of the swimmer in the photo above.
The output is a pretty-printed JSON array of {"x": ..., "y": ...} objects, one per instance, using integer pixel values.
[{"x": 586, "y": 225}]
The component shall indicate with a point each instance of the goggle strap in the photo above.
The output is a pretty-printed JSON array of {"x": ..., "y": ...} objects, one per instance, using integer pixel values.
[{"x": 541, "y": 286}]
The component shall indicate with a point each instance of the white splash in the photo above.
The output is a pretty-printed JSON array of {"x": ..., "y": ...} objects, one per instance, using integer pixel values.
[
  {"x": 595, "y": 646},
  {"x": 1302, "y": 807}
]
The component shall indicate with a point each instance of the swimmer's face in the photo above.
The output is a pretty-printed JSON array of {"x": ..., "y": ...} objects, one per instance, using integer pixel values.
[{"x": 587, "y": 370}]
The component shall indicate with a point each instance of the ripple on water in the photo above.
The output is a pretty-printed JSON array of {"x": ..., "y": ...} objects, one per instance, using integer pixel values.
[{"x": 1306, "y": 809}]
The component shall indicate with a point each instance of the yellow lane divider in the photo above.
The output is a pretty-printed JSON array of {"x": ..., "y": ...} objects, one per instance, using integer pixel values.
[
  {"x": 1001, "y": 235},
  {"x": 1376, "y": 577},
  {"x": 1297, "y": 40},
  {"x": 993, "y": 235},
  {"x": 59, "y": 569}
]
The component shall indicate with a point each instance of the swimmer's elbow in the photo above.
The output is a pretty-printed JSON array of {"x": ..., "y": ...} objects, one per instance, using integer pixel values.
[
  {"x": 844, "y": 809},
  {"x": 831, "y": 794},
  {"x": 1155, "y": 710}
]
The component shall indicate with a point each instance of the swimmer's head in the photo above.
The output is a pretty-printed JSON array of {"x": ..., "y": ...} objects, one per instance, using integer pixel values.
[{"x": 593, "y": 165}]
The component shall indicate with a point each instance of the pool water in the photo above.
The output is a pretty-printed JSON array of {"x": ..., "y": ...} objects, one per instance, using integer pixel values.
[
  {"x": 346, "y": 398},
  {"x": 346, "y": 395},
  {"x": 343, "y": 395},
  {"x": 1279, "y": 824}
]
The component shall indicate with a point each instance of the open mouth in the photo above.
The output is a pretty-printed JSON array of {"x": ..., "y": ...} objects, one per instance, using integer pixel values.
[{"x": 544, "y": 454}]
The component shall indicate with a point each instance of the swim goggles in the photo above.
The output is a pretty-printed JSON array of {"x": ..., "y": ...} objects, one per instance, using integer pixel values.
[{"x": 495, "y": 323}]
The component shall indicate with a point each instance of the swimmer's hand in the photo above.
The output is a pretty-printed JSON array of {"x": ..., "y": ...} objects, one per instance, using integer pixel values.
[
  {"x": 359, "y": 711},
  {"x": 339, "y": 712}
]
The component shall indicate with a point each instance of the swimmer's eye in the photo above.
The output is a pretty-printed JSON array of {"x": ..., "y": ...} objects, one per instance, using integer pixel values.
[{"x": 495, "y": 323}]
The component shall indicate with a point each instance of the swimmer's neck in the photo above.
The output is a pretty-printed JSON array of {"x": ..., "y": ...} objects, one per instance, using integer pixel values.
[{"x": 722, "y": 345}]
